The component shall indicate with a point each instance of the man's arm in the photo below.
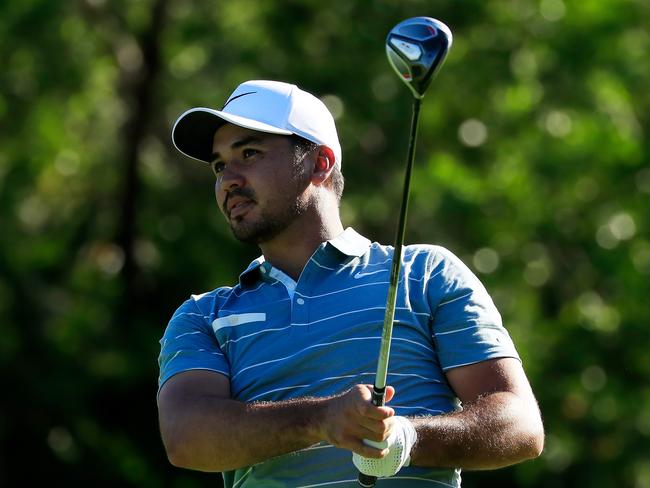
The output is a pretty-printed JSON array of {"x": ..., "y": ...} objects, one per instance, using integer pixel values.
[
  {"x": 500, "y": 423},
  {"x": 203, "y": 429}
]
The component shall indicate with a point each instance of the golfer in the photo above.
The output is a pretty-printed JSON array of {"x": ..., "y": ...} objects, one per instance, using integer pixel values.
[{"x": 268, "y": 381}]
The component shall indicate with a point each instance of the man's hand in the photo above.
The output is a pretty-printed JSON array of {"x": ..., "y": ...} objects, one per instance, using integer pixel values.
[
  {"x": 399, "y": 443},
  {"x": 350, "y": 417}
]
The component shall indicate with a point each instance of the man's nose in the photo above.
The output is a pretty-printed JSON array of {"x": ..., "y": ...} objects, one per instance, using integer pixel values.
[{"x": 229, "y": 179}]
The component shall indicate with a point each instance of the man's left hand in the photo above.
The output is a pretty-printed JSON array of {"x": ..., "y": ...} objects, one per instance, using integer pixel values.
[{"x": 399, "y": 443}]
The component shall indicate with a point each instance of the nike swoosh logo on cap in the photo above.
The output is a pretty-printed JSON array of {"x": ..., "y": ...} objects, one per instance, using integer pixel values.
[
  {"x": 238, "y": 96},
  {"x": 361, "y": 274}
]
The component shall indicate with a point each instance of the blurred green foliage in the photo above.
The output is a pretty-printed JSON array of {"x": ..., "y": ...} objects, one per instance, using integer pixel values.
[{"x": 533, "y": 166}]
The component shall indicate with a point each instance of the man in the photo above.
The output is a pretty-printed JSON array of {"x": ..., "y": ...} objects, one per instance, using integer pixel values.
[{"x": 268, "y": 381}]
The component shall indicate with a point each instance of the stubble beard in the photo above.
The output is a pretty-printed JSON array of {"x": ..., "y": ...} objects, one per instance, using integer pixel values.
[
  {"x": 272, "y": 223},
  {"x": 268, "y": 225}
]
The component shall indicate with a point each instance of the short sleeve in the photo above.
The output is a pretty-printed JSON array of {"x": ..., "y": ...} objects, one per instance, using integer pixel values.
[
  {"x": 466, "y": 326},
  {"x": 189, "y": 343}
]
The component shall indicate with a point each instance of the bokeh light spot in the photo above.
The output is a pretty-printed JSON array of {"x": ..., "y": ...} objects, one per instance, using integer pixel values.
[
  {"x": 486, "y": 260},
  {"x": 335, "y": 105},
  {"x": 552, "y": 10},
  {"x": 593, "y": 378},
  {"x": 558, "y": 123},
  {"x": 472, "y": 133}
]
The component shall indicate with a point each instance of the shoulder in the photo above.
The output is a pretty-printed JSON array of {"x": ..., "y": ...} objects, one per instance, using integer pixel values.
[
  {"x": 437, "y": 257},
  {"x": 407, "y": 250},
  {"x": 434, "y": 252},
  {"x": 221, "y": 293},
  {"x": 439, "y": 264},
  {"x": 426, "y": 254},
  {"x": 205, "y": 302},
  {"x": 427, "y": 258},
  {"x": 411, "y": 249}
]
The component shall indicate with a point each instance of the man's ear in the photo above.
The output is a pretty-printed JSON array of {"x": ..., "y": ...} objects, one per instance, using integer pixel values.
[{"x": 323, "y": 165}]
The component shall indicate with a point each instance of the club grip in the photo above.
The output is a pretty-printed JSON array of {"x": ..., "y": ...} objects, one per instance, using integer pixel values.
[
  {"x": 366, "y": 481},
  {"x": 377, "y": 399},
  {"x": 378, "y": 396}
]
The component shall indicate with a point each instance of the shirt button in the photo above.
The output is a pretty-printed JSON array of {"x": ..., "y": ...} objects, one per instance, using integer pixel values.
[{"x": 300, "y": 301}]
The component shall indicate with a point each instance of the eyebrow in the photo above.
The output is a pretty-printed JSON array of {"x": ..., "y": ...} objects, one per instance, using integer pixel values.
[{"x": 242, "y": 142}]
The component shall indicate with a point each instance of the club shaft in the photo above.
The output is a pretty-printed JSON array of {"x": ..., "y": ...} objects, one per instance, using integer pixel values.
[
  {"x": 391, "y": 298},
  {"x": 379, "y": 389}
]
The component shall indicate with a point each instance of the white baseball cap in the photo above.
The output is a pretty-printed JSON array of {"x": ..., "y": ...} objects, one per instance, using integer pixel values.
[{"x": 265, "y": 106}]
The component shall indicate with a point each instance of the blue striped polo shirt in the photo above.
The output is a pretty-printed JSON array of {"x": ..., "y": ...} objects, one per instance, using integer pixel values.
[{"x": 276, "y": 339}]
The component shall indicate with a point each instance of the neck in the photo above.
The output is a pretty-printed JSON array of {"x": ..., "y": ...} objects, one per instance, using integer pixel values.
[{"x": 290, "y": 251}]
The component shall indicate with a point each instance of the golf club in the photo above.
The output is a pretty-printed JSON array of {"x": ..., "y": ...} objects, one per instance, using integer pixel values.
[{"x": 416, "y": 48}]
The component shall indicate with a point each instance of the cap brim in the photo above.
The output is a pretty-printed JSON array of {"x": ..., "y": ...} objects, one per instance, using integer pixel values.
[{"x": 193, "y": 132}]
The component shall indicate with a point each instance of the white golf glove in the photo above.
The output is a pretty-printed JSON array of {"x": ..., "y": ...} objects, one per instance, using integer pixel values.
[{"x": 399, "y": 443}]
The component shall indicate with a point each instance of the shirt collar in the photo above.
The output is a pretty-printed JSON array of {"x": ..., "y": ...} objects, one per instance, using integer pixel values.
[
  {"x": 252, "y": 273},
  {"x": 349, "y": 242}
]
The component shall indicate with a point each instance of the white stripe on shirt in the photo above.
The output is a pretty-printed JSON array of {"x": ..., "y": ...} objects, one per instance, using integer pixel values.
[{"x": 303, "y": 350}]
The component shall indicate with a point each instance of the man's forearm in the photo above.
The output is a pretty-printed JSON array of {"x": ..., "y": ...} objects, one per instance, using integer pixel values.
[
  {"x": 213, "y": 433},
  {"x": 217, "y": 434},
  {"x": 496, "y": 430}
]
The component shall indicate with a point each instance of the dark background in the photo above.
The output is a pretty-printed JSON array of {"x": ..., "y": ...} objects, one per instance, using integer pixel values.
[{"x": 532, "y": 166}]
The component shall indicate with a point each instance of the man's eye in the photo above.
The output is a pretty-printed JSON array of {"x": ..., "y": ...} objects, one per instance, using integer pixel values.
[
  {"x": 217, "y": 166},
  {"x": 247, "y": 153}
]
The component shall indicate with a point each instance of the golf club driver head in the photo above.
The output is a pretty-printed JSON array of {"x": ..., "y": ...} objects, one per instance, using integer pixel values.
[{"x": 416, "y": 48}]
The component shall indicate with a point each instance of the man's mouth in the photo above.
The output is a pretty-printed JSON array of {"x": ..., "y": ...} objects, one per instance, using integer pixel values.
[{"x": 238, "y": 206}]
